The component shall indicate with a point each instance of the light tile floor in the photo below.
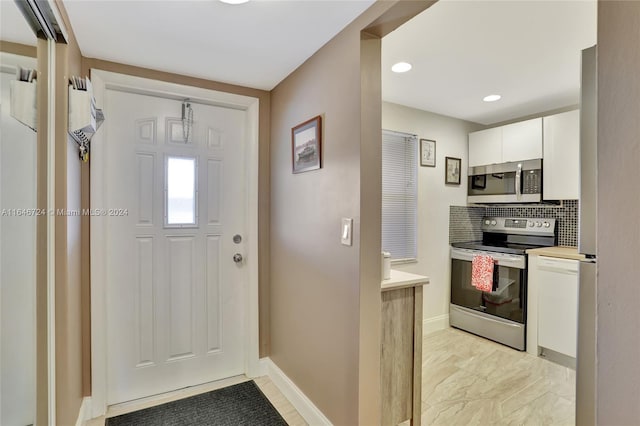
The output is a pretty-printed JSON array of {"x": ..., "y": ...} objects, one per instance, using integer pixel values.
[
  {"x": 282, "y": 404},
  {"x": 468, "y": 380}
]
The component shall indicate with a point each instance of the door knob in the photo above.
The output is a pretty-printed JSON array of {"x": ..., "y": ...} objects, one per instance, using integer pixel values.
[{"x": 237, "y": 258}]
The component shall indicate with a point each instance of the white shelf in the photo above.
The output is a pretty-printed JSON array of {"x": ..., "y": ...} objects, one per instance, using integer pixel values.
[
  {"x": 84, "y": 117},
  {"x": 23, "y": 103},
  {"x": 82, "y": 111}
]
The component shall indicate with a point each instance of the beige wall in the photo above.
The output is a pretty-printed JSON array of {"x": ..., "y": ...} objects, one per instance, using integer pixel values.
[
  {"x": 369, "y": 379},
  {"x": 325, "y": 297},
  {"x": 618, "y": 338},
  {"x": 68, "y": 326},
  {"x": 18, "y": 49},
  {"x": 315, "y": 280},
  {"x": 434, "y": 199}
]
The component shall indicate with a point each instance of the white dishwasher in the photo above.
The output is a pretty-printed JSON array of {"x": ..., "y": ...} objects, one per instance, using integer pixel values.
[{"x": 558, "y": 305}]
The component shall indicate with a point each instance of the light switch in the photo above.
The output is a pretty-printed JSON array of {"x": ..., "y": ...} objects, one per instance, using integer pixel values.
[{"x": 346, "y": 237}]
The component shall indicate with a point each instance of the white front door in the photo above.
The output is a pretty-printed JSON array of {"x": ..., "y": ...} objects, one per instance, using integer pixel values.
[{"x": 175, "y": 297}]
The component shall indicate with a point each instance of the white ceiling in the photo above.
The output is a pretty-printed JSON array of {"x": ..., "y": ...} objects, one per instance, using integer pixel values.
[
  {"x": 13, "y": 26},
  {"x": 461, "y": 51},
  {"x": 256, "y": 44}
]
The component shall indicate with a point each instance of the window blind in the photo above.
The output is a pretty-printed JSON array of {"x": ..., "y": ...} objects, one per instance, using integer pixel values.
[{"x": 399, "y": 194}]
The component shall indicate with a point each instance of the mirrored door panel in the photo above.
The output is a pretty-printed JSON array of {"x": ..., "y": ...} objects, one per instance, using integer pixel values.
[{"x": 17, "y": 218}]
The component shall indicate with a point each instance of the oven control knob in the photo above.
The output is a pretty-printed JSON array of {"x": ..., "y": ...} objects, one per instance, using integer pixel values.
[
  {"x": 539, "y": 224},
  {"x": 547, "y": 224},
  {"x": 530, "y": 224},
  {"x": 487, "y": 222},
  {"x": 494, "y": 223}
]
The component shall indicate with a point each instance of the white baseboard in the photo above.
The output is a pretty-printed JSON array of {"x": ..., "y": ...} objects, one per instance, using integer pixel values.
[
  {"x": 85, "y": 411},
  {"x": 433, "y": 324},
  {"x": 263, "y": 366},
  {"x": 311, "y": 414}
]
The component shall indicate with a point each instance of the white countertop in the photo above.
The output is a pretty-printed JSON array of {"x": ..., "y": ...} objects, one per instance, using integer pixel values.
[
  {"x": 558, "y": 251},
  {"x": 401, "y": 279}
]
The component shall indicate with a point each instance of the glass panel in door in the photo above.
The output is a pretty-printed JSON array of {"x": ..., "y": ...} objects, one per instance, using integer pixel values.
[
  {"x": 492, "y": 184},
  {"x": 507, "y": 301}
]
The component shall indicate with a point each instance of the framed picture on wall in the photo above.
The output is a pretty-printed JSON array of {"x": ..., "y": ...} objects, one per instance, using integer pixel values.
[
  {"x": 452, "y": 170},
  {"x": 427, "y": 153},
  {"x": 479, "y": 182},
  {"x": 306, "y": 145}
]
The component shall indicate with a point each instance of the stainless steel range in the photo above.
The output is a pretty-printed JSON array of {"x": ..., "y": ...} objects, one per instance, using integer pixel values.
[{"x": 501, "y": 314}]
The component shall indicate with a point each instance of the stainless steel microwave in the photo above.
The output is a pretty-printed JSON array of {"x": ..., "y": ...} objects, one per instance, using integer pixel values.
[{"x": 517, "y": 182}]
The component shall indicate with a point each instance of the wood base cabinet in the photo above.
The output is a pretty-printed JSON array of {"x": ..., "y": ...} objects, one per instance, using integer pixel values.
[{"x": 401, "y": 353}]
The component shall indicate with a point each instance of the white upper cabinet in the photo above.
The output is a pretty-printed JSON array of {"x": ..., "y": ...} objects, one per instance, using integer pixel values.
[
  {"x": 522, "y": 141},
  {"x": 513, "y": 142},
  {"x": 485, "y": 147},
  {"x": 561, "y": 165}
]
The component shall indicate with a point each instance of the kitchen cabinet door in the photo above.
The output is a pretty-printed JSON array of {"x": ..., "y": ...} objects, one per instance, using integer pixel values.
[
  {"x": 522, "y": 141},
  {"x": 532, "y": 304},
  {"x": 561, "y": 165},
  {"x": 558, "y": 305},
  {"x": 485, "y": 147}
]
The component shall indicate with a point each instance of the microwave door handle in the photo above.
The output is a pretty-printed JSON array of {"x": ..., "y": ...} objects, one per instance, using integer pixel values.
[{"x": 519, "y": 182}]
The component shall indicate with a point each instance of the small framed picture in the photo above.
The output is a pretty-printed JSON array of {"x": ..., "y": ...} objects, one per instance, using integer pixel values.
[
  {"x": 479, "y": 182},
  {"x": 427, "y": 153},
  {"x": 306, "y": 145},
  {"x": 452, "y": 171}
]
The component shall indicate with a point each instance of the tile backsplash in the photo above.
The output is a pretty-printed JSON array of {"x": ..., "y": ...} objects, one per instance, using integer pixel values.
[{"x": 464, "y": 224}]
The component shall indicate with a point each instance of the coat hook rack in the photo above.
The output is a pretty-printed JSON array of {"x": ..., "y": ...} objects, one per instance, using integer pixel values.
[{"x": 84, "y": 118}]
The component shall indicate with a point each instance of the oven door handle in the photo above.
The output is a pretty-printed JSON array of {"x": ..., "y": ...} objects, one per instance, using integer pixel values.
[
  {"x": 510, "y": 261},
  {"x": 485, "y": 317}
]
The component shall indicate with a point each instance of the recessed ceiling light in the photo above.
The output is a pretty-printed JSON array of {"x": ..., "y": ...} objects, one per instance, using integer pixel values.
[
  {"x": 234, "y": 1},
  {"x": 491, "y": 98},
  {"x": 401, "y": 67}
]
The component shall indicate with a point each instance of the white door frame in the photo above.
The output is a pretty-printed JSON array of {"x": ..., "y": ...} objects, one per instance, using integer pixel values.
[{"x": 103, "y": 80}]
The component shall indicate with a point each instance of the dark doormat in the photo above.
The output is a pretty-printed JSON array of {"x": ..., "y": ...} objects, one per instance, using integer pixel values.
[{"x": 241, "y": 404}]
